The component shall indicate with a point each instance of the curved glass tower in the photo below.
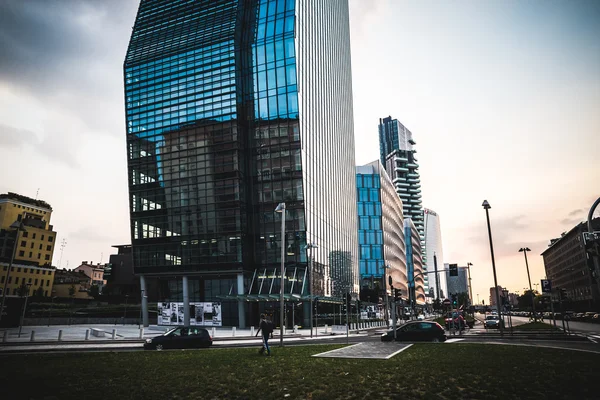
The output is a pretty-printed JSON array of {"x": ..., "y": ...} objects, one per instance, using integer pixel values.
[{"x": 232, "y": 107}]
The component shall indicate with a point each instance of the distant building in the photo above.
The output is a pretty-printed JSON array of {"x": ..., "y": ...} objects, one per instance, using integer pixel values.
[
  {"x": 380, "y": 229},
  {"x": 513, "y": 299},
  {"x": 118, "y": 273},
  {"x": 433, "y": 246},
  {"x": 71, "y": 284},
  {"x": 94, "y": 272},
  {"x": 457, "y": 284},
  {"x": 492, "y": 298},
  {"x": 35, "y": 244},
  {"x": 569, "y": 266}
]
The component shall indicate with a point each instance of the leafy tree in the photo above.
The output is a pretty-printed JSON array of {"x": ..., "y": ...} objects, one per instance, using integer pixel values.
[
  {"x": 94, "y": 291},
  {"x": 39, "y": 292},
  {"x": 72, "y": 291},
  {"x": 463, "y": 299}
]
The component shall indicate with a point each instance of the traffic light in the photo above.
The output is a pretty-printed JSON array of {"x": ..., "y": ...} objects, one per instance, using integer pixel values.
[
  {"x": 453, "y": 269},
  {"x": 397, "y": 294},
  {"x": 562, "y": 292},
  {"x": 454, "y": 299}
]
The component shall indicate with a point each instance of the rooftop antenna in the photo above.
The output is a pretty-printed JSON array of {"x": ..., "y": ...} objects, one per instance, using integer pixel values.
[
  {"x": 63, "y": 244},
  {"x": 36, "y": 193},
  {"x": 101, "y": 256}
]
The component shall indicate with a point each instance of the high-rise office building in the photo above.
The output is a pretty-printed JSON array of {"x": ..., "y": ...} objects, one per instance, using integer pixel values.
[
  {"x": 380, "y": 230},
  {"x": 233, "y": 107},
  {"x": 397, "y": 154},
  {"x": 457, "y": 284},
  {"x": 438, "y": 287}
]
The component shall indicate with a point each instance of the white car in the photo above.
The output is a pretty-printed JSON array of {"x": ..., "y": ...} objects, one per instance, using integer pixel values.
[{"x": 421, "y": 317}]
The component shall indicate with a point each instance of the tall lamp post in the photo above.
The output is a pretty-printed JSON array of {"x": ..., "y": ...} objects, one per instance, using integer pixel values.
[
  {"x": 387, "y": 304},
  {"x": 469, "y": 265},
  {"x": 524, "y": 250},
  {"x": 487, "y": 207},
  {"x": 281, "y": 209},
  {"x": 52, "y": 297},
  {"x": 309, "y": 247},
  {"x": 27, "y": 286},
  {"x": 20, "y": 227}
]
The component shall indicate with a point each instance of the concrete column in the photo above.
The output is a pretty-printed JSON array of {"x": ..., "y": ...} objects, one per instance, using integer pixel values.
[
  {"x": 186, "y": 302},
  {"x": 240, "y": 291},
  {"x": 144, "y": 292}
]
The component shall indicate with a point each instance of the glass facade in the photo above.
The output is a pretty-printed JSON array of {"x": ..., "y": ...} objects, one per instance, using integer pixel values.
[
  {"x": 433, "y": 243},
  {"x": 414, "y": 264},
  {"x": 380, "y": 229},
  {"x": 219, "y": 133}
]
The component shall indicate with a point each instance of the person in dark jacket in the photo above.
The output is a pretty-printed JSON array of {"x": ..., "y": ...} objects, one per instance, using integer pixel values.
[{"x": 266, "y": 328}]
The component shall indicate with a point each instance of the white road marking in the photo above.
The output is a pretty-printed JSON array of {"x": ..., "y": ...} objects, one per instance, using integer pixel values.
[
  {"x": 393, "y": 354},
  {"x": 330, "y": 351},
  {"x": 453, "y": 340}
]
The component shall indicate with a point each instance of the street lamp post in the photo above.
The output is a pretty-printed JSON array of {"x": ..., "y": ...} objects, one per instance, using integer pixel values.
[
  {"x": 387, "y": 304},
  {"x": 125, "y": 312},
  {"x": 281, "y": 209},
  {"x": 142, "y": 297},
  {"x": 487, "y": 207},
  {"x": 469, "y": 265},
  {"x": 52, "y": 297},
  {"x": 309, "y": 247},
  {"x": 477, "y": 298},
  {"x": 18, "y": 225},
  {"x": 524, "y": 250},
  {"x": 27, "y": 286}
]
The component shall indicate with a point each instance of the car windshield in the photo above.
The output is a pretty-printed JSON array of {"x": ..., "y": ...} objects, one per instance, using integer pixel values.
[
  {"x": 171, "y": 332},
  {"x": 491, "y": 317}
]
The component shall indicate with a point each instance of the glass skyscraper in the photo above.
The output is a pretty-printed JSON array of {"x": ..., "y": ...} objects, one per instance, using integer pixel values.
[
  {"x": 232, "y": 107},
  {"x": 433, "y": 243},
  {"x": 380, "y": 230}
]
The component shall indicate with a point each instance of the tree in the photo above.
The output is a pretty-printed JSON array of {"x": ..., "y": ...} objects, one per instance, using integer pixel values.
[
  {"x": 463, "y": 299},
  {"x": 72, "y": 291},
  {"x": 437, "y": 305},
  {"x": 39, "y": 292},
  {"x": 94, "y": 291}
]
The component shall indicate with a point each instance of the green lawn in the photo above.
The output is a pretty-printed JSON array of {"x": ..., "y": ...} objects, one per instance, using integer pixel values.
[
  {"x": 535, "y": 326},
  {"x": 444, "y": 371}
]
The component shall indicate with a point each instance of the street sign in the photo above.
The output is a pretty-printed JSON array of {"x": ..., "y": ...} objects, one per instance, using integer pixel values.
[
  {"x": 446, "y": 302},
  {"x": 546, "y": 286}
]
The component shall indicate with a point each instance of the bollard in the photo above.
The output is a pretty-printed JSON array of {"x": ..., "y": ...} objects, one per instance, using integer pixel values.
[
  {"x": 326, "y": 326},
  {"x": 32, "y": 339},
  {"x": 4, "y": 336},
  {"x": 141, "y": 333},
  {"x": 59, "y": 335},
  {"x": 284, "y": 329},
  {"x": 214, "y": 331},
  {"x": 251, "y": 331},
  {"x": 233, "y": 331},
  {"x": 87, "y": 334},
  {"x": 114, "y": 334},
  {"x": 295, "y": 328}
]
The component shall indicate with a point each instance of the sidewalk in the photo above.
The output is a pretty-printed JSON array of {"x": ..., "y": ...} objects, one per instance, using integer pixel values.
[{"x": 132, "y": 333}]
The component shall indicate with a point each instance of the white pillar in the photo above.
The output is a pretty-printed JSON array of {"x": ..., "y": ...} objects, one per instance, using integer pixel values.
[
  {"x": 87, "y": 334},
  {"x": 214, "y": 332},
  {"x": 32, "y": 339},
  {"x": 144, "y": 293},
  {"x": 59, "y": 335},
  {"x": 114, "y": 334},
  {"x": 141, "y": 333},
  {"x": 186, "y": 302},
  {"x": 240, "y": 291},
  {"x": 233, "y": 331},
  {"x": 251, "y": 331}
]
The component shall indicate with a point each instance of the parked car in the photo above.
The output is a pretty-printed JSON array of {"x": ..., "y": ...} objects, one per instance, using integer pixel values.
[
  {"x": 588, "y": 316},
  {"x": 492, "y": 322},
  {"x": 417, "y": 331},
  {"x": 596, "y": 319},
  {"x": 180, "y": 338}
]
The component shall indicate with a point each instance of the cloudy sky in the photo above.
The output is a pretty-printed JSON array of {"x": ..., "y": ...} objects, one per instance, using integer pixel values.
[{"x": 502, "y": 98}]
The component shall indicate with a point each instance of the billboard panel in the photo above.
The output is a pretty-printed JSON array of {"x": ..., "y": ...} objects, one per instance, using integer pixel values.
[{"x": 201, "y": 313}]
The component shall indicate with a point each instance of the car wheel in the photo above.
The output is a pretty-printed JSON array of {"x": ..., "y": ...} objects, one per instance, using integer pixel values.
[
  {"x": 436, "y": 340},
  {"x": 159, "y": 347}
]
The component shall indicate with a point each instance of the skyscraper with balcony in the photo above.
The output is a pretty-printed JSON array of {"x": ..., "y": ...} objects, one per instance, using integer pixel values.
[
  {"x": 397, "y": 154},
  {"x": 232, "y": 107}
]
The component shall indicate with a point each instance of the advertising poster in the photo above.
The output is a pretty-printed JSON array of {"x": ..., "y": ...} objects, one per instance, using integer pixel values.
[{"x": 201, "y": 313}]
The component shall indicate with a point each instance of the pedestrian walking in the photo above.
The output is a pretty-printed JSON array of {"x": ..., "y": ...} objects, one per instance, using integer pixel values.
[{"x": 266, "y": 327}]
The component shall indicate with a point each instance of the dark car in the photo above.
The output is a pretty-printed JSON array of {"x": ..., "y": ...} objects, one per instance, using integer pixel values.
[
  {"x": 418, "y": 331},
  {"x": 180, "y": 338}
]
